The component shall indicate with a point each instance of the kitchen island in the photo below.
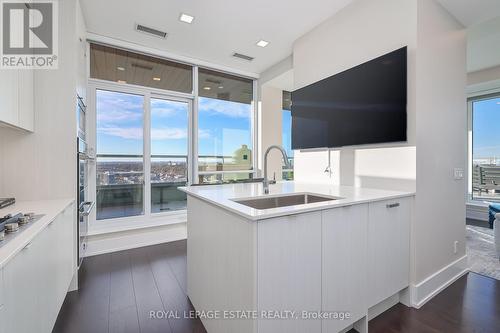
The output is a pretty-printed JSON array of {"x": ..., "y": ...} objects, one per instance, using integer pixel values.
[{"x": 303, "y": 258}]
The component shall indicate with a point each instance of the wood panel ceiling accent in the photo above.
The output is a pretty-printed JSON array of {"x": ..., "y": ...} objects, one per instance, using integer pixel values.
[
  {"x": 224, "y": 86},
  {"x": 111, "y": 64}
]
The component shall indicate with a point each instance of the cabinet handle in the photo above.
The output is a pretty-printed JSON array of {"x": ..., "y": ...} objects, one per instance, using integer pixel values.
[
  {"x": 27, "y": 246},
  {"x": 392, "y": 205}
]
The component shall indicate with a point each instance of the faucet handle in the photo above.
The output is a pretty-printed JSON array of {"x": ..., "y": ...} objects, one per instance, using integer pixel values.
[{"x": 273, "y": 181}]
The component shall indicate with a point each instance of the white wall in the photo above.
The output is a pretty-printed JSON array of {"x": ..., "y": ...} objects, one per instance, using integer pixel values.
[
  {"x": 485, "y": 75},
  {"x": 358, "y": 33},
  {"x": 483, "y": 45},
  {"x": 441, "y": 139},
  {"x": 436, "y": 116},
  {"x": 270, "y": 117},
  {"x": 42, "y": 165}
]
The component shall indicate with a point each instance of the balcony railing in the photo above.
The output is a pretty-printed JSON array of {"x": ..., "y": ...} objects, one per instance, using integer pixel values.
[
  {"x": 120, "y": 182},
  {"x": 486, "y": 182}
]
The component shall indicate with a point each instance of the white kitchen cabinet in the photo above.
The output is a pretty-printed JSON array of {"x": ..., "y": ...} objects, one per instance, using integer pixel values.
[
  {"x": 344, "y": 283},
  {"x": 388, "y": 248},
  {"x": 289, "y": 271},
  {"x": 2, "y": 319},
  {"x": 22, "y": 283},
  {"x": 37, "y": 278},
  {"x": 9, "y": 96},
  {"x": 17, "y": 98},
  {"x": 26, "y": 100}
]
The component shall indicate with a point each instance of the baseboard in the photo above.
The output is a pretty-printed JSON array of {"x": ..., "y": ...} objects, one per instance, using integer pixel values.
[
  {"x": 424, "y": 291},
  {"x": 126, "y": 240}
]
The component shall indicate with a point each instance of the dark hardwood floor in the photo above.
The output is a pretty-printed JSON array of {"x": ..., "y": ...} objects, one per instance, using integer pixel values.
[
  {"x": 118, "y": 291},
  {"x": 469, "y": 305}
]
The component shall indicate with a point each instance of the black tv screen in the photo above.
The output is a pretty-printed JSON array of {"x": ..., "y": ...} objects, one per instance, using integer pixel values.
[{"x": 362, "y": 105}]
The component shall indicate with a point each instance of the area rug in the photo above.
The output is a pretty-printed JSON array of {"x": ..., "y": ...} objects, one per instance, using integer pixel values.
[{"x": 481, "y": 252}]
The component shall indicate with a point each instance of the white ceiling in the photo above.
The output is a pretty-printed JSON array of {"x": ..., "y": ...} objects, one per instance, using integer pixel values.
[
  {"x": 220, "y": 28},
  {"x": 483, "y": 45},
  {"x": 471, "y": 12}
]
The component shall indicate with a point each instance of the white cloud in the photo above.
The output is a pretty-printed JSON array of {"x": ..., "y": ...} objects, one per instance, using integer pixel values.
[
  {"x": 163, "y": 112},
  {"x": 204, "y": 134},
  {"x": 168, "y": 133},
  {"x": 230, "y": 109},
  {"x": 117, "y": 116},
  {"x": 134, "y": 133},
  {"x": 118, "y": 107}
]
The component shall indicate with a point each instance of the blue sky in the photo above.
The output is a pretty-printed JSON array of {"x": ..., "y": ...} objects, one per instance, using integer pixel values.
[
  {"x": 223, "y": 126},
  {"x": 287, "y": 132},
  {"x": 486, "y": 132}
]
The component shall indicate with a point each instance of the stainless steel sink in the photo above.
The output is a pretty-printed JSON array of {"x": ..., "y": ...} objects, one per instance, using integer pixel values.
[{"x": 268, "y": 202}]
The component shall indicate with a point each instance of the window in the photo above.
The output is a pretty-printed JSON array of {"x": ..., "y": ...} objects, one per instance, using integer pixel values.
[
  {"x": 119, "y": 165},
  {"x": 286, "y": 136},
  {"x": 169, "y": 154},
  {"x": 111, "y": 64},
  {"x": 145, "y": 126},
  {"x": 225, "y": 127},
  {"x": 485, "y": 173}
]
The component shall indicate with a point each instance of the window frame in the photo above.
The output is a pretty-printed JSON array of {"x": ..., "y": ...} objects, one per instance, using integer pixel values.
[
  {"x": 476, "y": 97},
  {"x": 149, "y": 219},
  {"x": 147, "y": 93}
]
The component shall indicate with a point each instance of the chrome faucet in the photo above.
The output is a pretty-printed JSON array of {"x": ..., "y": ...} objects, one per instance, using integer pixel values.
[{"x": 265, "y": 182}]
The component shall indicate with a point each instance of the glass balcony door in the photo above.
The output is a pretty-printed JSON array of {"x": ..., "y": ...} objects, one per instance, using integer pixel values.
[
  {"x": 119, "y": 160},
  {"x": 142, "y": 153},
  {"x": 169, "y": 162}
]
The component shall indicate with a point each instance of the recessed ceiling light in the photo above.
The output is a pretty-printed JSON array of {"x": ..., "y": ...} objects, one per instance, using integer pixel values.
[
  {"x": 120, "y": 68},
  {"x": 121, "y": 81},
  {"x": 221, "y": 87},
  {"x": 186, "y": 18},
  {"x": 157, "y": 79},
  {"x": 206, "y": 88},
  {"x": 262, "y": 43}
]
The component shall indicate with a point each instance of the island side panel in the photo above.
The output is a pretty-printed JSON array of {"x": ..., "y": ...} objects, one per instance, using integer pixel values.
[{"x": 221, "y": 262}]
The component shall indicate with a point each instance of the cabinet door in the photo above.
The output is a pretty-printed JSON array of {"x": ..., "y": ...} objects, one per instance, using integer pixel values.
[
  {"x": 45, "y": 272},
  {"x": 388, "y": 248},
  {"x": 26, "y": 99},
  {"x": 9, "y": 96},
  {"x": 289, "y": 271},
  {"x": 22, "y": 285},
  {"x": 344, "y": 274},
  {"x": 66, "y": 258}
]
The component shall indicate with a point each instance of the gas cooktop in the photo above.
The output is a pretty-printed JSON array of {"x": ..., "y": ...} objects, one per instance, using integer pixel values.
[{"x": 13, "y": 225}]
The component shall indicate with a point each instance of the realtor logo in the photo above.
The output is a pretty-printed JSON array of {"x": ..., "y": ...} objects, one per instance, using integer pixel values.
[{"x": 29, "y": 34}]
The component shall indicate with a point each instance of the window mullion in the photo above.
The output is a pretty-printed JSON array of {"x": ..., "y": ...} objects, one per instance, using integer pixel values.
[
  {"x": 193, "y": 147},
  {"x": 147, "y": 154}
]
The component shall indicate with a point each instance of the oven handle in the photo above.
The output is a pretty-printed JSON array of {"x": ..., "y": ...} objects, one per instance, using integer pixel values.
[
  {"x": 85, "y": 157},
  {"x": 84, "y": 212}
]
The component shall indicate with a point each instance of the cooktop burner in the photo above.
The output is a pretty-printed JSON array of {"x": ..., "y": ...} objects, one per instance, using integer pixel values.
[{"x": 13, "y": 225}]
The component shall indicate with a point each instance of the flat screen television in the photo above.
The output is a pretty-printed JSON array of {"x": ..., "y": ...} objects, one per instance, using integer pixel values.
[{"x": 362, "y": 105}]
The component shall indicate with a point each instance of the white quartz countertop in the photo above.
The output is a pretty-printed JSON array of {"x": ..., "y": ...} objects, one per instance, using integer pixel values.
[
  {"x": 223, "y": 196},
  {"x": 49, "y": 208}
]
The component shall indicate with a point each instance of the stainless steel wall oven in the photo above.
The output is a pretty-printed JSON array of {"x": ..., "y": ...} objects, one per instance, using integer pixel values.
[{"x": 83, "y": 158}]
